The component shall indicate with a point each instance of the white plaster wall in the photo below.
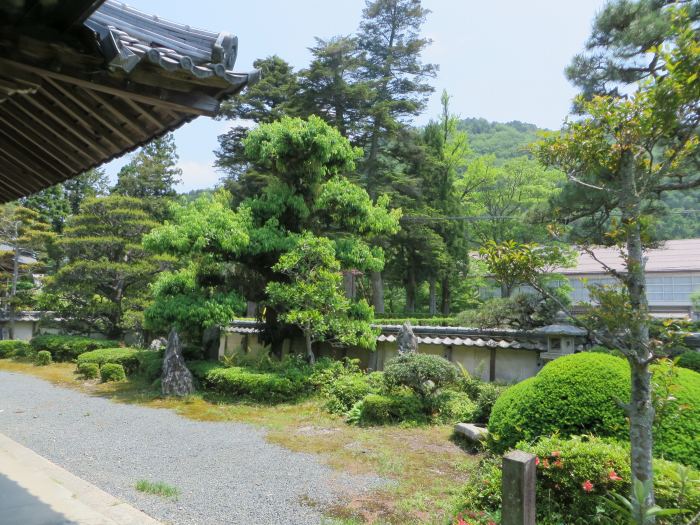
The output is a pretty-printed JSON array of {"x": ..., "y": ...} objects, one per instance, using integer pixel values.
[{"x": 515, "y": 365}]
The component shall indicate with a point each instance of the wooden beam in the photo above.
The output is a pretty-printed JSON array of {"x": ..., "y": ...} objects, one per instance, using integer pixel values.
[
  {"x": 120, "y": 110},
  {"x": 65, "y": 123},
  {"x": 26, "y": 157},
  {"x": 10, "y": 105},
  {"x": 27, "y": 184},
  {"x": 190, "y": 103},
  {"x": 40, "y": 143},
  {"x": 80, "y": 103}
]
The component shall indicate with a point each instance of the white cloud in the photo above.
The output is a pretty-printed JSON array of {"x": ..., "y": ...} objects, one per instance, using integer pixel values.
[{"x": 197, "y": 175}]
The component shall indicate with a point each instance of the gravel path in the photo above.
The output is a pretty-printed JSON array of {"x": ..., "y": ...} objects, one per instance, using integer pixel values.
[{"x": 227, "y": 473}]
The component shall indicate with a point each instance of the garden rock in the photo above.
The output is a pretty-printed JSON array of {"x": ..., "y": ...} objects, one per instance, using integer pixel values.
[
  {"x": 176, "y": 378},
  {"x": 406, "y": 339},
  {"x": 157, "y": 344}
]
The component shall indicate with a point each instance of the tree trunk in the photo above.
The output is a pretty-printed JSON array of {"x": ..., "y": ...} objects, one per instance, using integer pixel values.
[
  {"x": 445, "y": 303},
  {"x": 349, "y": 284},
  {"x": 251, "y": 309},
  {"x": 640, "y": 409},
  {"x": 377, "y": 292},
  {"x": 505, "y": 291},
  {"x": 309, "y": 346},
  {"x": 432, "y": 302},
  {"x": 411, "y": 290},
  {"x": 13, "y": 293}
]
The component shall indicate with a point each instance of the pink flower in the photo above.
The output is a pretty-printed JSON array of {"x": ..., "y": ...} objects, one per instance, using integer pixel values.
[
  {"x": 559, "y": 464},
  {"x": 556, "y": 453},
  {"x": 587, "y": 486},
  {"x": 613, "y": 476},
  {"x": 537, "y": 460}
]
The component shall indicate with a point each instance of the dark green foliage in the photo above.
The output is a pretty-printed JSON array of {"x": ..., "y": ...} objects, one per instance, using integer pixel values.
[
  {"x": 112, "y": 372},
  {"x": 43, "y": 358},
  {"x": 690, "y": 360},
  {"x": 676, "y": 438},
  {"x": 397, "y": 407},
  {"x": 487, "y": 395},
  {"x": 89, "y": 370},
  {"x": 565, "y": 464},
  {"x": 150, "y": 364},
  {"x": 69, "y": 347},
  {"x": 571, "y": 395},
  {"x": 152, "y": 172},
  {"x": 128, "y": 358},
  {"x": 258, "y": 386},
  {"x": 346, "y": 390},
  {"x": 422, "y": 373},
  {"x": 14, "y": 348},
  {"x": 417, "y": 321},
  {"x": 451, "y": 406}
]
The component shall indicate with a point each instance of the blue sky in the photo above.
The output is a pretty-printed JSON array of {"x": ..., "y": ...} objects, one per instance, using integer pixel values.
[{"x": 501, "y": 60}]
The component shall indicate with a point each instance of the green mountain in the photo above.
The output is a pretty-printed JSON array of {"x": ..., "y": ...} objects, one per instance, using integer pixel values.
[{"x": 504, "y": 140}]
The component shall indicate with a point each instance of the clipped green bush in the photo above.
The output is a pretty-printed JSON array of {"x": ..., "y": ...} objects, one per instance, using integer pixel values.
[
  {"x": 14, "y": 348},
  {"x": 43, "y": 358},
  {"x": 112, "y": 372},
  {"x": 89, "y": 370},
  {"x": 451, "y": 406},
  {"x": 150, "y": 364},
  {"x": 342, "y": 393},
  {"x": 68, "y": 347},
  {"x": 690, "y": 360},
  {"x": 575, "y": 394},
  {"x": 397, "y": 407},
  {"x": 422, "y": 373},
  {"x": 258, "y": 386},
  {"x": 487, "y": 394},
  {"x": 128, "y": 358},
  {"x": 564, "y": 466},
  {"x": 677, "y": 437}
]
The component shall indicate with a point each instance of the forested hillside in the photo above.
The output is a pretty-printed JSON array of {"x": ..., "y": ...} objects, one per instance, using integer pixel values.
[{"x": 510, "y": 140}]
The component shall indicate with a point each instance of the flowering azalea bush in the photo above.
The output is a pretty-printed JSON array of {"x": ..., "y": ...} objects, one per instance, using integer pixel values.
[{"x": 573, "y": 476}]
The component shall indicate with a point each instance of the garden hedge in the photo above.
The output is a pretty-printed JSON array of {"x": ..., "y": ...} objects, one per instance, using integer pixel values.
[
  {"x": 43, "y": 358},
  {"x": 252, "y": 384},
  {"x": 112, "y": 372},
  {"x": 126, "y": 357},
  {"x": 690, "y": 359},
  {"x": 15, "y": 348},
  {"x": 378, "y": 409},
  {"x": 69, "y": 347},
  {"x": 422, "y": 373}
]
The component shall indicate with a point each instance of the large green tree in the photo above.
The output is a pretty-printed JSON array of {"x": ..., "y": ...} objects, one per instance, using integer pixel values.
[
  {"x": 305, "y": 163},
  {"x": 620, "y": 157},
  {"x": 152, "y": 172},
  {"x": 103, "y": 286}
]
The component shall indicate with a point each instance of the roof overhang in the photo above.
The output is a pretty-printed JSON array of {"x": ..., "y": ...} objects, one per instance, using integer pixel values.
[{"x": 101, "y": 79}]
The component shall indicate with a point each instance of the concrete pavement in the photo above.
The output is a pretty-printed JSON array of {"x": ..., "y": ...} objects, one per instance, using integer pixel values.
[{"x": 34, "y": 491}]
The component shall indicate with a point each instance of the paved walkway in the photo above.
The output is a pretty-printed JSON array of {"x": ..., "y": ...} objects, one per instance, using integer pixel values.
[{"x": 34, "y": 491}]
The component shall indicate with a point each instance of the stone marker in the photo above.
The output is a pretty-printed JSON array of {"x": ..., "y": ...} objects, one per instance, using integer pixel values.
[
  {"x": 176, "y": 378},
  {"x": 518, "y": 488},
  {"x": 157, "y": 344},
  {"x": 406, "y": 339}
]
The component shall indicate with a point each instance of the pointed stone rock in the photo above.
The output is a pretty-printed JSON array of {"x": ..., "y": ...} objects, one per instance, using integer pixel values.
[
  {"x": 406, "y": 339},
  {"x": 176, "y": 379}
]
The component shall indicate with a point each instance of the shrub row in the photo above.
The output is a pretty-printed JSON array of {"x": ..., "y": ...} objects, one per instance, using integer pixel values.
[
  {"x": 690, "y": 360},
  {"x": 252, "y": 384},
  {"x": 68, "y": 347},
  {"x": 14, "y": 348},
  {"x": 126, "y": 357}
]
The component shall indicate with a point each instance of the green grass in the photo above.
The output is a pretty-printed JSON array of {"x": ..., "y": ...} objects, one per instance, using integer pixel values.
[{"x": 157, "y": 488}]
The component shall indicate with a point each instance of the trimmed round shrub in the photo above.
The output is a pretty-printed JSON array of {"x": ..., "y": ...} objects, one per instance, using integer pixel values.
[
  {"x": 575, "y": 394},
  {"x": 451, "y": 406},
  {"x": 690, "y": 360},
  {"x": 112, "y": 372},
  {"x": 564, "y": 465},
  {"x": 150, "y": 364},
  {"x": 15, "y": 348},
  {"x": 89, "y": 370},
  {"x": 677, "y": 437},
  {"x": 377, "y": 409},
  {"x": 422, "y": 373},
  {"x": 128, "y": 358},
  {"x": 43, "y": 358}
]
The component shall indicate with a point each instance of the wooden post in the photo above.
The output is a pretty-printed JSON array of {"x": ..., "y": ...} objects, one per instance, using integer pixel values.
[{"x": 518, "y": 488}]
